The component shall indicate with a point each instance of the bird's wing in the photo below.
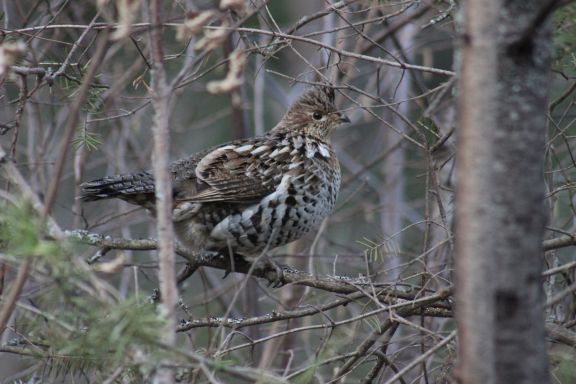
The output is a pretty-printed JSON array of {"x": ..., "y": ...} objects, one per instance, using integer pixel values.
[{"x": 239, "y": 172}]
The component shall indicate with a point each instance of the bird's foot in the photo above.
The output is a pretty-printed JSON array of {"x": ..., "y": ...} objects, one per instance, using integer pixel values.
[{"x": 271, "y": 267}]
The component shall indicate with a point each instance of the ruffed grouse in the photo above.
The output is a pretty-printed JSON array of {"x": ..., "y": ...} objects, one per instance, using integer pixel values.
[{"x": 252, "y": 194}]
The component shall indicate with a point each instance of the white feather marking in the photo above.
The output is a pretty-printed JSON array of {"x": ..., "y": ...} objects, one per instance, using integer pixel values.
[
  {"x": 260, "y": 149},
  {"x": 298, "y": 142},
  {"x": 310, "y": 152},
  {"x": 285, "y": 183},
  {"x": 299, "y": 177},
  {"x": 247, "y": 214},
  {"x": 324, "y": 151},
  {"x": 294, "y": 165},
  {"x": 275, "y": 153},
  {"x": 244, "y": 148},
  {"x": 220, "y": 231}
]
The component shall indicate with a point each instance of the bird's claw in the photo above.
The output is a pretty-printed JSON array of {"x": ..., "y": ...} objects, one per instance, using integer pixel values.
[{"x": 272, "y": 266}]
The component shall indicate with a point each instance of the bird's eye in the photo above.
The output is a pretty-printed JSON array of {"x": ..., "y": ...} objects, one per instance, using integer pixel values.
[{"x": 317, "y": 115}]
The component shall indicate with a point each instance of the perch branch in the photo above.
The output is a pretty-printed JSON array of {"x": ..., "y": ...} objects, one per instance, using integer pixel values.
[{"x": 336, "y": 284}]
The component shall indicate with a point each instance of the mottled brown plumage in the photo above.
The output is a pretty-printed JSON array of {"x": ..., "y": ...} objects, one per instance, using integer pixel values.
[{"x": 252, "y": 194}]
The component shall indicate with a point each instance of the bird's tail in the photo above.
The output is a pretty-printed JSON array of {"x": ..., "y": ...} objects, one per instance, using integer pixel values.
[{"x": 135, "y": 188}]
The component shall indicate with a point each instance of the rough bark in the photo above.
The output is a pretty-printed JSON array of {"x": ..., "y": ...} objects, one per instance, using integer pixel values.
[
  {"x": 500, "y": 195},
  {"x": 161, "y": 134}
]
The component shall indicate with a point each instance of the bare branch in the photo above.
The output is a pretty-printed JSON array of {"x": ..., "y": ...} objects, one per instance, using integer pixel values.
[{"x": 163, "y": 184}]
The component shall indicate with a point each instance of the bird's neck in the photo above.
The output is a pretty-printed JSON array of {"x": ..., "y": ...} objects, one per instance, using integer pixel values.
[{"x": 286, "y": 130}]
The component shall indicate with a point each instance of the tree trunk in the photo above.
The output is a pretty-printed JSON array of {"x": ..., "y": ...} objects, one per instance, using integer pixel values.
[{"x": 506, "y": 57}]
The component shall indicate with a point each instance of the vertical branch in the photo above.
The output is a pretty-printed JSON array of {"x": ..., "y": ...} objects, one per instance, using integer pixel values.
[
  {"x": 475, "y": 115},
  {"x": 160, "y": 130}
]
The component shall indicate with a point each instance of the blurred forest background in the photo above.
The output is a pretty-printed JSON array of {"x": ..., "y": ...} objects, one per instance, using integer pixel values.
[{"x": 75, "y": 105}]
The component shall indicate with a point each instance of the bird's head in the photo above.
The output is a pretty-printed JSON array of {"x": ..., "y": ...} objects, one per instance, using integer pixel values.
[{"x": 314, "y": 113}]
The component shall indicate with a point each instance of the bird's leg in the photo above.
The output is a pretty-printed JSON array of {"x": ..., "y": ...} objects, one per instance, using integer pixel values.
[
  {"x": 234, "y": 260},
  {"x": 186, "y": 272}
]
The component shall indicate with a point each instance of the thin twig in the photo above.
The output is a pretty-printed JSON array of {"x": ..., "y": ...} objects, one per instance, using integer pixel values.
[
  {"x": 422, "y": 358},
  {"x": 343, "y": 52}
]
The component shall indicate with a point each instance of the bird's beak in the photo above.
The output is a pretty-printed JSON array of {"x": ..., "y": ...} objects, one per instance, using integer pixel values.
[{"x": 343, "y": 118}]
